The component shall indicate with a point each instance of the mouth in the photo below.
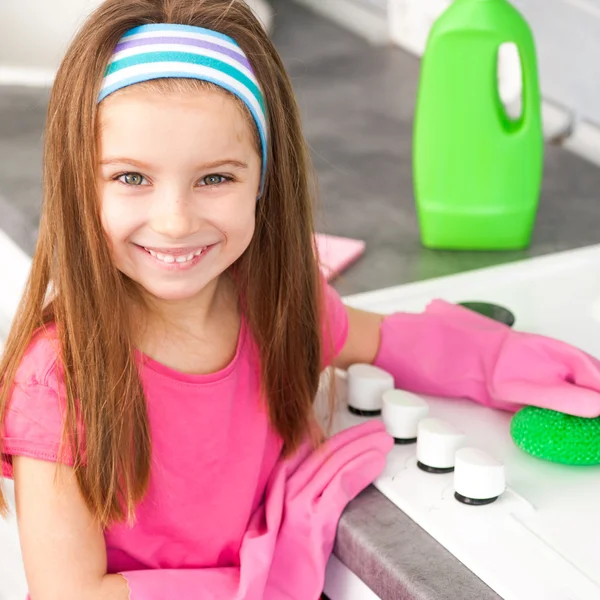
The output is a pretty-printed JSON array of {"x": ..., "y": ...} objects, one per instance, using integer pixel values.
[{"x": 176, "y": 256}]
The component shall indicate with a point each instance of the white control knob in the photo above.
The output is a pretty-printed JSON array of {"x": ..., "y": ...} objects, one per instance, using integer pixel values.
[
  {"x": 366, "y": 386},
  {"x": 478, "y": 477},
  {"x": 401, "y": 414},
  {"x": 437, "y": 443}
]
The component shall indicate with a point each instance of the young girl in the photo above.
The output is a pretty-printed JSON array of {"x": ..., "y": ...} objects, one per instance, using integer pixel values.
[{"x": 159, "y": 377}]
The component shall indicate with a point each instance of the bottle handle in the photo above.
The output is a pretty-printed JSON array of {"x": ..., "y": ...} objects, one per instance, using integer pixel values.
[
  {"x": 510, "y": 80},
  {"x": 518, "y": 88}
]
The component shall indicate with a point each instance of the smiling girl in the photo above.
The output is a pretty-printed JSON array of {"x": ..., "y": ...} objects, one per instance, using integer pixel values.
[{"x": 156, "y": 406}]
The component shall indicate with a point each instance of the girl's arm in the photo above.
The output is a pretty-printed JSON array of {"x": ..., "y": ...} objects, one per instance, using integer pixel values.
[
  {"x": 63, "y": 548},
  {"x": 65, "y": 553},
  {"x": 362, "y": 343}
]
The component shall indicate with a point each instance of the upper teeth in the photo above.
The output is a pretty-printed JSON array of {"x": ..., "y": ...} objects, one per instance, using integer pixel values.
[{"x": 169, "y": 258}]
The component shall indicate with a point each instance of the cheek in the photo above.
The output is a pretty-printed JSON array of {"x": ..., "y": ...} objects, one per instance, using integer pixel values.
[
  {"x": 237, "y": 221},
  {"x": 119, "y": 217},
  {"x": 243, "y": 227}
]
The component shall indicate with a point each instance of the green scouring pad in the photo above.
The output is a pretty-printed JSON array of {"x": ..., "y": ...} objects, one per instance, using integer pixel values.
[{"x": 557, "y": 437}]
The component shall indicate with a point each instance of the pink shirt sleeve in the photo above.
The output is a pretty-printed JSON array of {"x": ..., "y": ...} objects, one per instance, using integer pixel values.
[
  {"x": 334, "y": 328},
  {"x": 34, "y": 418}
]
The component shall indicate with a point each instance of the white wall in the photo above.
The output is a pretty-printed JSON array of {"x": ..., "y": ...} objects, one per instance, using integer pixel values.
[
  {"x": 34, "y": 34},
  {"x": 411, "y": 20}
]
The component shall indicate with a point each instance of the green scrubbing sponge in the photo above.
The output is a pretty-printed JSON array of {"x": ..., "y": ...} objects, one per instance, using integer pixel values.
[{"x": 557, "y": 437}]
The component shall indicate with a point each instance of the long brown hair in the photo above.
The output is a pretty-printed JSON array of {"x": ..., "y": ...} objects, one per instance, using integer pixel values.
[{"x": 91, "y": 300}]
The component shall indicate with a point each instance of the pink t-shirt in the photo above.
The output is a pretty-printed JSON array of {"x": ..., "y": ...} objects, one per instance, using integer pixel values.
[{"x": 213, "y": 450}]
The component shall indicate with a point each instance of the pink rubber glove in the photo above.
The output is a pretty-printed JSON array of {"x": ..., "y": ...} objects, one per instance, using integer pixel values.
[
  {"x": 451, "y": 351},
  {"x": 317, "y": 493},
  {"x": 289, "y": 539}
]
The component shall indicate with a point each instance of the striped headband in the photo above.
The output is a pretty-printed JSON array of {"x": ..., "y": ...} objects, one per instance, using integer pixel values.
[{"x": 168, "y": 50}]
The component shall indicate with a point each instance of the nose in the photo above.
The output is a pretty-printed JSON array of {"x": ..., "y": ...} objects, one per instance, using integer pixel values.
[{"x": 174, "y": 215}]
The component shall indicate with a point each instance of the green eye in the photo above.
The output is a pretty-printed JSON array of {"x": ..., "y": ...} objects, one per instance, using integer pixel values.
[
  {"x": 132, "y": 178},
  {"x": 213, "y": 179}
]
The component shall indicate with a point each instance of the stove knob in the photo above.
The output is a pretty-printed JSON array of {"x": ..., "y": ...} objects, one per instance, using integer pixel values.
[
  {"x": 478, "y": 478},
  {"x": 401, "y": 414},
  {"x": 437, "y": 443},
  {"x": 366, "y": 386}
]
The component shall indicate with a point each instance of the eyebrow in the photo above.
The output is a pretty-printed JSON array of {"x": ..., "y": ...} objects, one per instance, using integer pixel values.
[{"x": 238, "y": 164}]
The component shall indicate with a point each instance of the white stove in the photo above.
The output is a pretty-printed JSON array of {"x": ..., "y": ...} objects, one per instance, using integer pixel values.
[{"x": 541, "y": 539}]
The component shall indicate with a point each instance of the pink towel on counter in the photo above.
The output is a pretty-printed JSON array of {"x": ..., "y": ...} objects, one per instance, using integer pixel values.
[{"x": 337, "y": 253}]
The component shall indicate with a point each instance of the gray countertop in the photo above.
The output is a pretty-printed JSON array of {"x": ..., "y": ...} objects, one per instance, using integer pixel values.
[
  {"x": 397, "y": 559},
  {"x": 357, "y": 103}
]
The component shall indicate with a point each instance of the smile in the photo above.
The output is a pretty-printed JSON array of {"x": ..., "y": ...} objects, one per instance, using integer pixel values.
[
  {"x": 175, "y": 259},
  {"x": 175, "y": 256}
]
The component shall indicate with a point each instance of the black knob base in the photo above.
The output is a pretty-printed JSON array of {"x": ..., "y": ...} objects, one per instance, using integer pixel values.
[
  {"x": 434, "y": 470},
  {"x": 474, "y": 501},
  {"x": 492, "y": 311},
  {"x": 364, "y": 413}
]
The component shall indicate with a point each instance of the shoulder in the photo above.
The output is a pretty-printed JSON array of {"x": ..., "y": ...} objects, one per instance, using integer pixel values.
[
  {"x": 39, "y": 364},
  {"x": 34, "y": 417}
]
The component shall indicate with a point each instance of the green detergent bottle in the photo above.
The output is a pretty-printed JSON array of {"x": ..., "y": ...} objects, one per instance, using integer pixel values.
[{"x": 477, "y": 169}]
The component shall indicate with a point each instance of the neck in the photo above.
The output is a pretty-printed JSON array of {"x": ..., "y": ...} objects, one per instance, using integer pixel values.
[{"x": 186, "y": 319}]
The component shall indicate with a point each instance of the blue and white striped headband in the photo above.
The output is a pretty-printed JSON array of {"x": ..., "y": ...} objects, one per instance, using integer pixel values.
[{"x": 169, "y": 50}]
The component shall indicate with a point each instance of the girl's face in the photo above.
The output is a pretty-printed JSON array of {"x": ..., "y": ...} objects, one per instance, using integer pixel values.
[{"x": 179, "y": 176}]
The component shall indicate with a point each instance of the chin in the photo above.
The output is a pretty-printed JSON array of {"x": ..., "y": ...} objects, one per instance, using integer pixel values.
[{"x": 173, "y": 293}]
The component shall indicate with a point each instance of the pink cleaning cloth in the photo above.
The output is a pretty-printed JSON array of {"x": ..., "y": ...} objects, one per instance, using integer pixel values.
[
  {"x": 453, "y": 352},
  {"x": 290, "y": 537},
  {"x": 337, "y": 253}
]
